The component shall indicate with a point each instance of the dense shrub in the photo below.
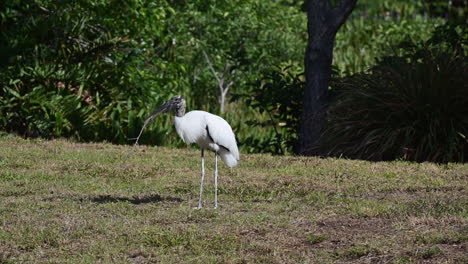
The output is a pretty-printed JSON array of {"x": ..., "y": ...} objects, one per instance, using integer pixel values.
[
  {"x": 364, "y": 37},
  {"x": 241, "y": 39},
  {"x": 78, "y": 68},
  {"x": 278, "y": 98},
  {"x": 376, "y": 27},
  {"x": 94, "y": 70},
  {"x": 412, "y": 106}
]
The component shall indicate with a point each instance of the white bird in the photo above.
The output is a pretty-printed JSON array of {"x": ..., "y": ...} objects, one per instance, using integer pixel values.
[{"x": 207, "y": 130}]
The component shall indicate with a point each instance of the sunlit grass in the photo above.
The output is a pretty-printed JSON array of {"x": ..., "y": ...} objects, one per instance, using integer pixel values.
[{"x": 65, "y": 202}]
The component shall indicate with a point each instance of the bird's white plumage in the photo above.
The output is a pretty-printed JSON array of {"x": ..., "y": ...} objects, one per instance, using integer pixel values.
[{"x": 209, "y": 132}]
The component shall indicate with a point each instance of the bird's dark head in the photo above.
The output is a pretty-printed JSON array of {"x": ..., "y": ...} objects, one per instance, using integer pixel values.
[{"x": 176, "y": 104}]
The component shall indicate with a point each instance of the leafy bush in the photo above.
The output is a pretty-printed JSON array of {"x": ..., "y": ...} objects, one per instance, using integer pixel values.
[
  {"x": 94, "y": 70},
  {"x": 80, "y": 68},
  {"x": 376, "y": 27},
  {"x": 364, "y": 38},
  {"x": 454, "y": 10},
  {"x": 412, "y": 106},
  {"x": 278, "y": 97},
  {"x": 241, "y": 38}
]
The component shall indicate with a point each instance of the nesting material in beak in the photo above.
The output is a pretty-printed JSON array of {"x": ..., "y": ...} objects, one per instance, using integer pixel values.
[{"x": 166, "y": 107}]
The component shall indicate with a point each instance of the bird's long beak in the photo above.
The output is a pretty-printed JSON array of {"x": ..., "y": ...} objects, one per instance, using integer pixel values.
[{"x": 164, "y": 108}]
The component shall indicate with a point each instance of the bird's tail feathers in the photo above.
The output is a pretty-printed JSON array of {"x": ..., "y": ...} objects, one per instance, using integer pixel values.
[{"x": 228, "y": 158}]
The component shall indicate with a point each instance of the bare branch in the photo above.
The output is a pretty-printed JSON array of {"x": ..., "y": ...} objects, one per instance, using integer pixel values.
[
  {"x": 226, "y": 69},
  {"x": 228, "y": 86},
  {"x": 222, "y": 88},
  {"x": 211, "y": 66}
]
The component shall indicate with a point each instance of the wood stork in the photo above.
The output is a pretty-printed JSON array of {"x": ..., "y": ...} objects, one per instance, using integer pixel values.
[{"x": 207, "y": 130}]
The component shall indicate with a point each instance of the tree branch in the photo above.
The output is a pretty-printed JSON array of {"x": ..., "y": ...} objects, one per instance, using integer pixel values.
[
  {"x": 227, "y": 87},
  {"x": 211, "y": 66},
  {"x": 223, "y": 89},
  {"x": 340, "y": 13}
]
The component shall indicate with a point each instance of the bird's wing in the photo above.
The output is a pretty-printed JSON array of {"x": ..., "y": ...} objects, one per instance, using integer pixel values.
[{"x": 221, "y": 133}]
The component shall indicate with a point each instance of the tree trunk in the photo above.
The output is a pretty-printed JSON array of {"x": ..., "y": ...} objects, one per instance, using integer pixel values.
[
  {"x": 323, "y": 23},
  {"x": 318, "y": 71}
]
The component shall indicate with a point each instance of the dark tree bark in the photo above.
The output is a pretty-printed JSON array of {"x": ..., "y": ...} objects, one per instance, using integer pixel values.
[{"x": 323, "y": 24}]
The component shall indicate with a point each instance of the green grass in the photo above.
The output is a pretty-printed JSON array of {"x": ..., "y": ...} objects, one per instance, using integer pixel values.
[{"x": 66, "y": 202}]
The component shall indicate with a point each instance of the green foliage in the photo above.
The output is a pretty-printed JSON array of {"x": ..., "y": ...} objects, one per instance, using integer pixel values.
[
  {"x": 279, "y": 98},
  {"x": 316, "y": 239},
  {"x": 75, "y": 71},
  {"x": 453, "y": 10},
  {"x": 411, "y": 106},
  {"x": 429, "y": 253},
  {"x": 374, "y": 30},
  {"x": 241, "y": 38},
  {"x": 95, "y": 69},
  {"x": 376, "y": 27},
  {"x": 356, "y": 252},
  {"x": 364, "y": 38}
]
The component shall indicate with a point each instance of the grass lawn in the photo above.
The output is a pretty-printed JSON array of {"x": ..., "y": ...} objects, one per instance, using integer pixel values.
[{"x": 66, "y": 202}]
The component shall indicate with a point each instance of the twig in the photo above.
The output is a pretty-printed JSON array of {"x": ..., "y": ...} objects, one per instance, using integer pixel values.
[{"x": 149, "y": 119}]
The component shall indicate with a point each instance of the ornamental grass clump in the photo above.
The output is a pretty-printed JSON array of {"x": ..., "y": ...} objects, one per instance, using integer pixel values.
[{"x": 411, "y": 106}]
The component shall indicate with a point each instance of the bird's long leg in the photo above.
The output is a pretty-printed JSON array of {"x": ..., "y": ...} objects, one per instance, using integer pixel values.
[
  {"x": 216, "y": 180},
  {"x": 202, "y": 177}
]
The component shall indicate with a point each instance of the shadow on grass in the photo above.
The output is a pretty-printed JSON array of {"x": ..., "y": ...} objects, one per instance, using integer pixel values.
[{"x": 153, "y": 198}]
